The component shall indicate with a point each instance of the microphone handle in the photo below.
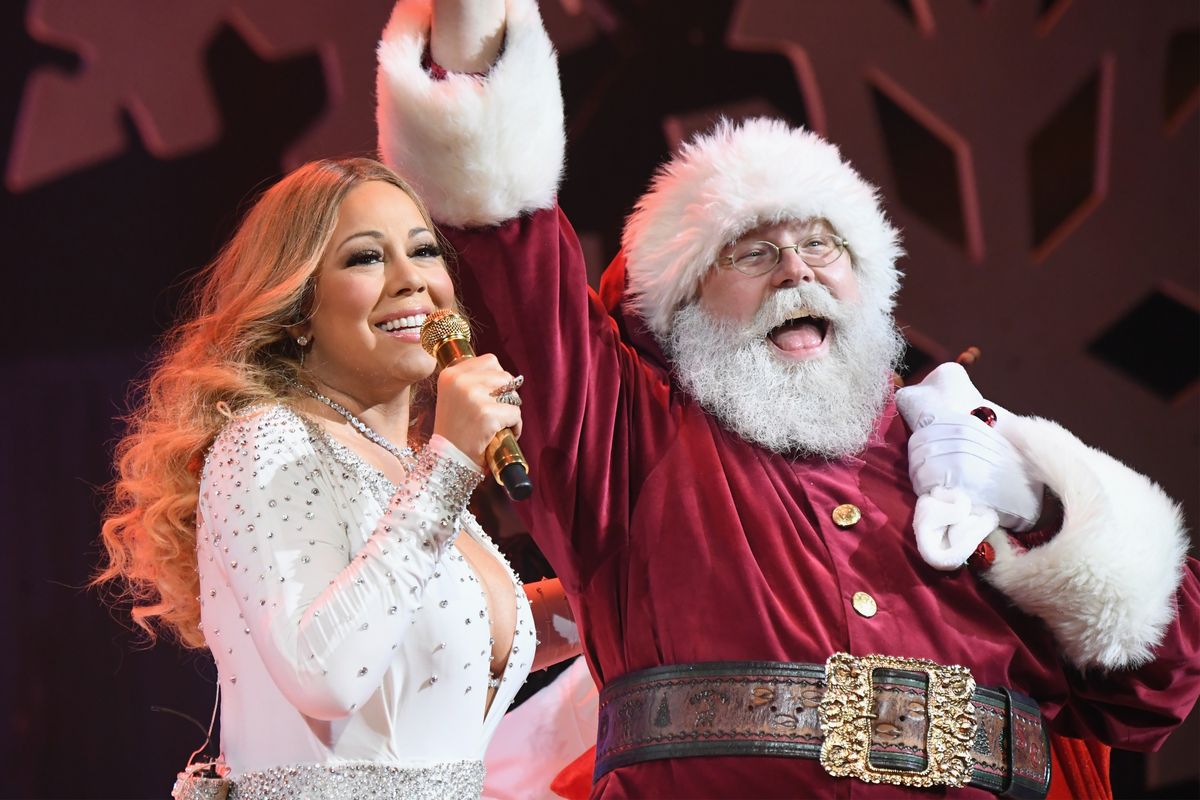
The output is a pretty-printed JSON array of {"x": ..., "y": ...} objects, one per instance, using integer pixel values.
[
  {"x": 503, "y": 455},
  {"x": 508, "y": 465}
]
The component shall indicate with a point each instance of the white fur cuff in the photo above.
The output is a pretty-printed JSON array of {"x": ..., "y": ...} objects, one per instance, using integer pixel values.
[
  {"x": 1105, "y": 583},
  {"x": 478, "y": 149}
]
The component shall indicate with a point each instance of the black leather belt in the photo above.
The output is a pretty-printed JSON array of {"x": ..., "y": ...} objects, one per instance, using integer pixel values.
[{"x": 880, "y": 719}]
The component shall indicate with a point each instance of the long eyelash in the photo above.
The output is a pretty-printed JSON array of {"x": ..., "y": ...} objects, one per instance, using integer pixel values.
[
  {"x": 363, "y": 257},
  {"x": 426, "y": 250}
]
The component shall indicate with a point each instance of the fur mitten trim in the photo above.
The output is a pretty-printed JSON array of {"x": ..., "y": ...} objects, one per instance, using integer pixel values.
[
  {"x": 1105, "y": 584},
  {"x": 478, "y": 149}
]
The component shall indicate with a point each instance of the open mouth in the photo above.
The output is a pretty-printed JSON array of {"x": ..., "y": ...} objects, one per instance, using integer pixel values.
[
  {"x": 803, "y": 334},
  {"x": 409, "y": 324}
]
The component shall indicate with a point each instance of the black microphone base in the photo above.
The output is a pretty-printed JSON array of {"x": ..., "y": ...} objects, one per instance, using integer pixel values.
[{"x": 516, "y": 482}]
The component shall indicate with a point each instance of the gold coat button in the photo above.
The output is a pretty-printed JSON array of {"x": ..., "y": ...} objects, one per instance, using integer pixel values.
[
  {"x": 846, "y": 514},
  {"x": 864, "y": 604}
]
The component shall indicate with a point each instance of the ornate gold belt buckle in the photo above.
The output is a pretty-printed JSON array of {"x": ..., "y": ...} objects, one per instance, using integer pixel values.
[{"x": 847, "y": 714}]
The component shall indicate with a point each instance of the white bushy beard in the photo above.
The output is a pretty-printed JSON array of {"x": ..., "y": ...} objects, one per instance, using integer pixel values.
[{"x": 825, "y": 407}]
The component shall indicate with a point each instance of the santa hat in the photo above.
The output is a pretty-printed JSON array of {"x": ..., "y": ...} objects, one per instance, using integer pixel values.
[{"x": 733, "y": 179}]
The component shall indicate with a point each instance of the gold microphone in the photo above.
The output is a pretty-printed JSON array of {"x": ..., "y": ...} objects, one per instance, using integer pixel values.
[{"x": 447, "y": 337}]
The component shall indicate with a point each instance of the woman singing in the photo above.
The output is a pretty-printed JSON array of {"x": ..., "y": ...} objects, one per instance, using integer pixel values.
[{"x": 368, "y": 634}]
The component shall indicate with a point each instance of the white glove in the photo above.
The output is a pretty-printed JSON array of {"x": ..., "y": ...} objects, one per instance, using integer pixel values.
[{"x": 968, "y": 478}]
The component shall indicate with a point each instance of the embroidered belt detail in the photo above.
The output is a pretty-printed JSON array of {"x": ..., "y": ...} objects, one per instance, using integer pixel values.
[{"x": 879, "y": 719}]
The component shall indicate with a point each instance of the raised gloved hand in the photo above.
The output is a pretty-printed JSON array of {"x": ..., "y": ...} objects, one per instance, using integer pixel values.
[{"x": 968, "y": 478}]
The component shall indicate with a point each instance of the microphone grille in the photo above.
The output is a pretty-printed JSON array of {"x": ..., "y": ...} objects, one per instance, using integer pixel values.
[{"x": 443, "y": 325}]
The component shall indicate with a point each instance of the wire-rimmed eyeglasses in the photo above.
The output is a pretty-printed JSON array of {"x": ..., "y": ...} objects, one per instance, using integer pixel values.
[{"x": 758, "y": 258}]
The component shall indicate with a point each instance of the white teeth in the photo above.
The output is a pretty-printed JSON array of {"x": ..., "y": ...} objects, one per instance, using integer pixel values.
[
  {"x": 412, "y": 321},
  {"x": 799, "y": 315}
]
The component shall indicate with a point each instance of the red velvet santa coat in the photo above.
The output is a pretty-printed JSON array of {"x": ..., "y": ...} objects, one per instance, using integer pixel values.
[{"x": 678, "y": 541}]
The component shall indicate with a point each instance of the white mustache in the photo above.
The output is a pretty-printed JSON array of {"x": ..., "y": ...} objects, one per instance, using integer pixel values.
[
  {"x": 785, "y": 304},
  {"x": 826, "y": 407}
]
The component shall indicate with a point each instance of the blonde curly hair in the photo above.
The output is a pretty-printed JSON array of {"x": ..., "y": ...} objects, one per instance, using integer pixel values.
[{"x": 232, "y": 349}]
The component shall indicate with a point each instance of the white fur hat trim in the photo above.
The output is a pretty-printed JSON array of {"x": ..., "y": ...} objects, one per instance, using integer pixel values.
[
  {"x": 735, "y": 178},
  {"x": 479, "y": 150}
]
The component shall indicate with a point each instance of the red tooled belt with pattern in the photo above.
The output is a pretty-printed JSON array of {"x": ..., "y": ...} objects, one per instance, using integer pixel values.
[{"x": 880, "y": 719}]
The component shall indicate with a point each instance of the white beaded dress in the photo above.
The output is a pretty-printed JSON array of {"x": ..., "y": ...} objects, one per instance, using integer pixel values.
[{"x": 352, "y": 641}]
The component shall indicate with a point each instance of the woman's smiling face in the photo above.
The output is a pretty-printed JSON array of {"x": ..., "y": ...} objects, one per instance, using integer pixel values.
[{"x": 380, "y": 276}]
